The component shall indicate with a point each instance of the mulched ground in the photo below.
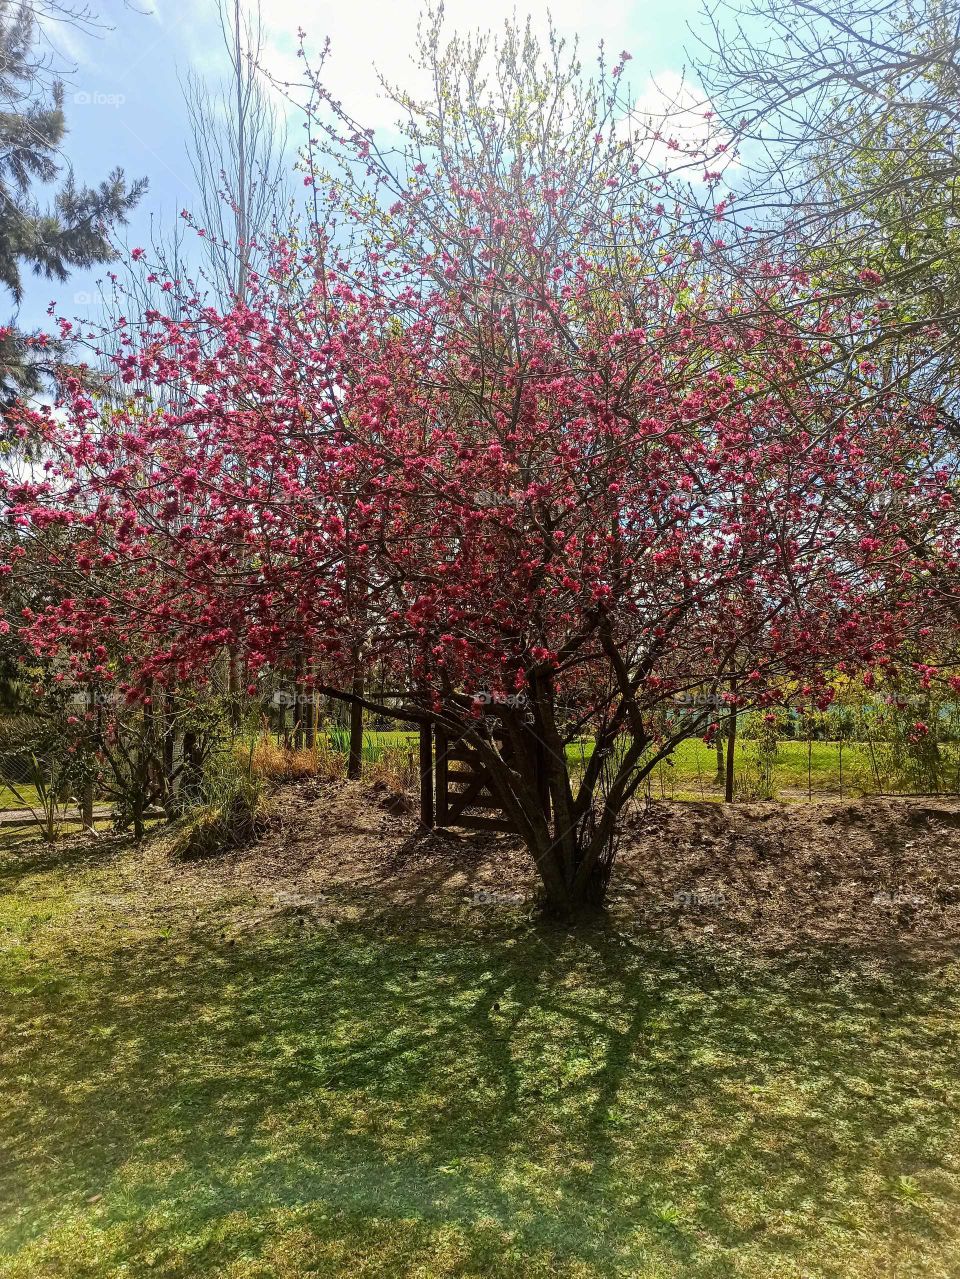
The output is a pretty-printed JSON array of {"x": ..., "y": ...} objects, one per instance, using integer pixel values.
[{"x": 866, "y": 875}]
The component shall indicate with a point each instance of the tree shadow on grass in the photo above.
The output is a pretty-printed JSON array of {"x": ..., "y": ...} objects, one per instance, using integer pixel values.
[
  {"x": 25, "y": 853},
  {"x": 565, "y": 1102}
]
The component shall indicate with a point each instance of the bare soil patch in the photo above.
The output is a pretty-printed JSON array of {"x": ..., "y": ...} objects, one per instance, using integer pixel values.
[{"x": 869, "y": 874}]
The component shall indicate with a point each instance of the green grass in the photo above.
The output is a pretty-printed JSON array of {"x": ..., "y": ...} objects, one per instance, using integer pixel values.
[
  {"x": 27, "y": 796},
  {"x": 24, "y": 839},
  {"x": 468, "y": 1094},
  {"x": 694, "y": 759},
  {"x": 693, "y": 766},
  {"x": 392, "y": 739},
  {"x": 694, "y": 762},
  {"x": 690, "y": 771}
]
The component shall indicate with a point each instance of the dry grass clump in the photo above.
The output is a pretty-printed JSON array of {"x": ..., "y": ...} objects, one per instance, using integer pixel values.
[
  {"x": 396, "y": 767},
  {"x": 238, "y": 816},
  {"x": 272, "y": 762}
]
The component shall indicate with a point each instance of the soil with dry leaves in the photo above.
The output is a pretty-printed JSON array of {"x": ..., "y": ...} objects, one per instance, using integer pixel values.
[{"x": 871, "y": 874}]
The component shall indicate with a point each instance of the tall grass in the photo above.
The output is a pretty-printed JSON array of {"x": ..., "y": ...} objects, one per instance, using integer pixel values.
[
  {"x": 274, "y": 763},
  {"x": 233, "y": 810},
  {"x": 395, "y": 765}
]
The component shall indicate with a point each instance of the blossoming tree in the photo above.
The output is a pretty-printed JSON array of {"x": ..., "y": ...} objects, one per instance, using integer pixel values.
[{"x": 490, "y": 426}]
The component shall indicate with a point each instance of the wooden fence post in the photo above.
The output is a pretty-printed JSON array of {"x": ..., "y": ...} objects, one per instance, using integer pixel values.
[
  {"x": 441, "y": 775},
  {"x": 426, "y": 775},
  {"x": 731, "y": 748}
]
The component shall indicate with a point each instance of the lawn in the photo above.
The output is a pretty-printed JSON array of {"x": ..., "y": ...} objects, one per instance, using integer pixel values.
[
  {"x": 694, "y": 764},
  {"x": 185, "y": 1092},
  {"x": 24, "y": 796},
  {"x": 820, "y": 766}
]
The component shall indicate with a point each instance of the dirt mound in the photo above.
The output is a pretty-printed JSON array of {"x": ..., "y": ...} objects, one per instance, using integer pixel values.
[{"x": 869, "y": 874}]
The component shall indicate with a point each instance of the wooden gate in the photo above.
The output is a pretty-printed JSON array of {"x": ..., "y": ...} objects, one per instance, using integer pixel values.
[{"x": 465, "y": 792}]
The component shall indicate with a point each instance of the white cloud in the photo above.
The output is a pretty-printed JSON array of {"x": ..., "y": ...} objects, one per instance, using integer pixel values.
[
  {"x": 672, "y": 108},
  {"x": 68, "y": 44},
  {"x": 372, "y": 36}
]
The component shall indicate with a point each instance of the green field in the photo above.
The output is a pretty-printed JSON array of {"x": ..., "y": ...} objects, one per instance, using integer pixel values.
[
  {"x": 27, "y": 795},
  {"x": 819, "y": 765},
  {"x": 185, "y": 1094},
  {"x": 823, "y": 767},
  {"x": 798, "y": 770}
]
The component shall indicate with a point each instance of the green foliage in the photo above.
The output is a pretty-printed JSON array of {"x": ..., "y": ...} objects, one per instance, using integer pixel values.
[
  {"x": 22, "y": 735},
  {"x": 755, "y": 779},
  {"x": 44, "y": 768},
  {"x": 47, "y": 794}
]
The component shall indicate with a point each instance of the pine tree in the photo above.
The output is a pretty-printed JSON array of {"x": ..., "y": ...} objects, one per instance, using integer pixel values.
[{"x": 71, "y": 232}]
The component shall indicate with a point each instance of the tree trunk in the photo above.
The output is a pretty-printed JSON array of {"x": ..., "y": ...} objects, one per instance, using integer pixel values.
[
  {"x": 731, "y": 744},
  {"x": 86, "y": 793},
  {"x": 571, "y": 840},
  {"x": 426, "y": 775},
  {"x": 298, "y": 708},
  {"x": 575, "y": 874},
  {"x": 233, "y": 687},
  {"x": 192, "y": 774},
  {"x": 355, "y": 761},
  {"x": 86, "y": 805},
  {"x": 310, "y": 719},
  {"x": 169, "y": 755}
]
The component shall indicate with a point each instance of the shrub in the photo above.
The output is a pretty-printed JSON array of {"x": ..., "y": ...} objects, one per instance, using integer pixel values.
[{"x": 234, "y": 812}]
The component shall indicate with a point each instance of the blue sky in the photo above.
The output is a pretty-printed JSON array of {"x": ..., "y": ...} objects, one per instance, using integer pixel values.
[{"x": 125, "y": 103}]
